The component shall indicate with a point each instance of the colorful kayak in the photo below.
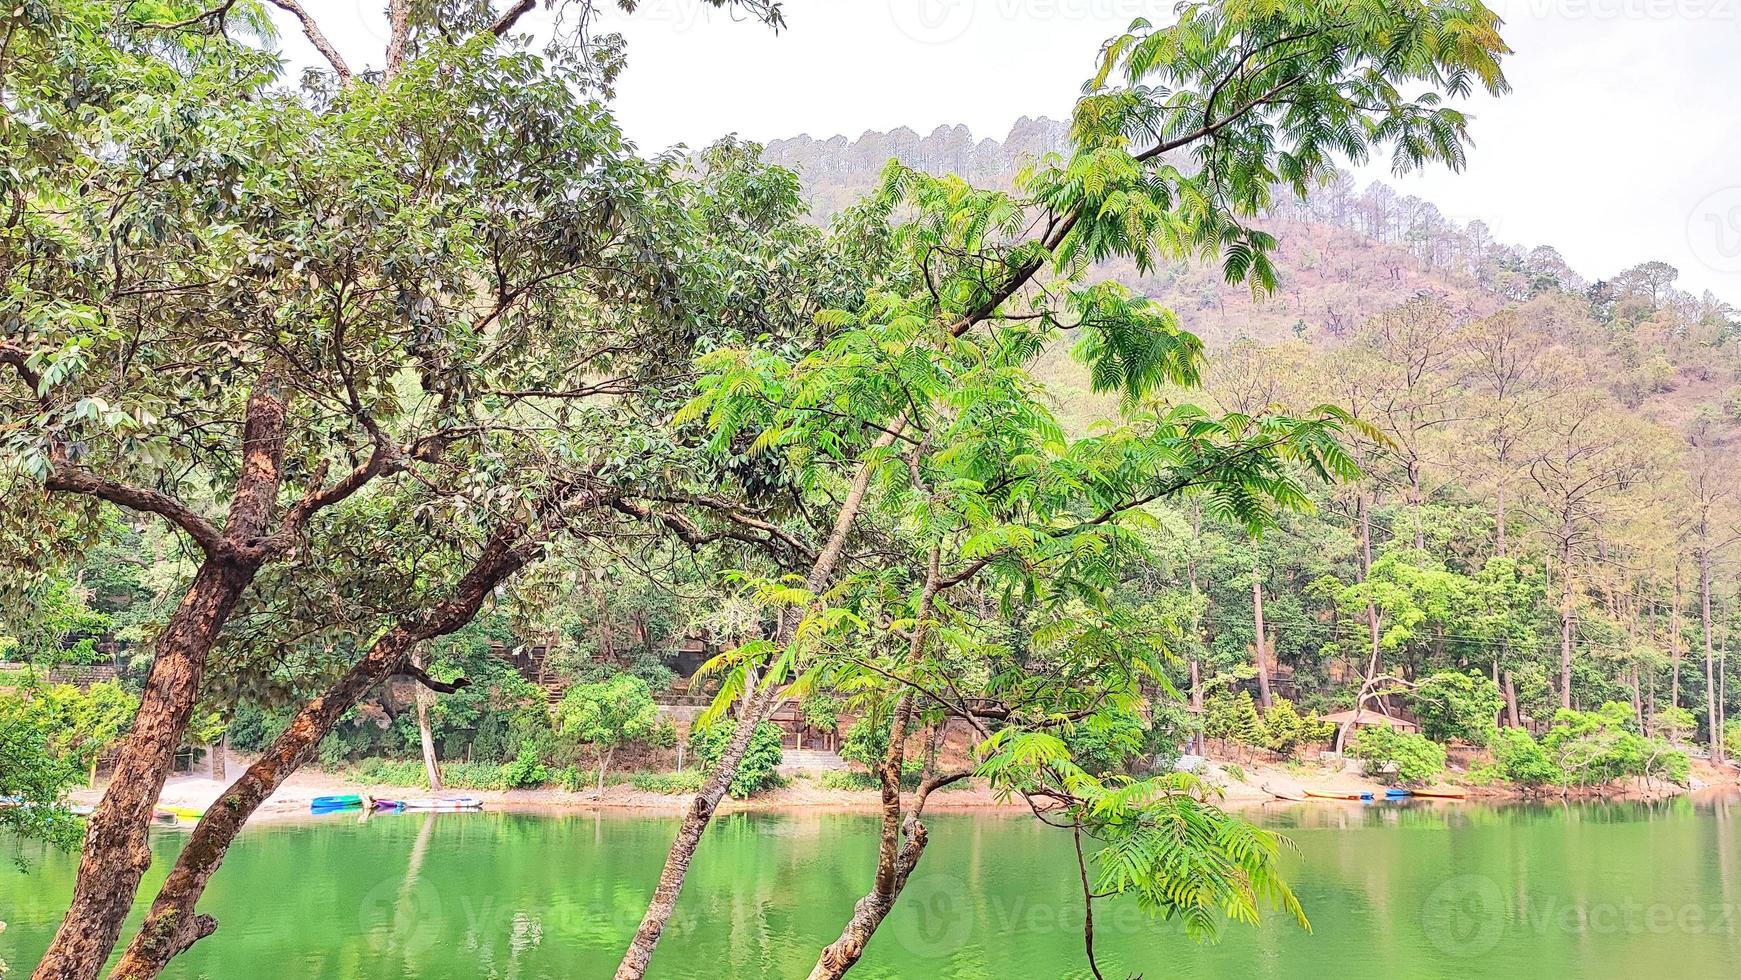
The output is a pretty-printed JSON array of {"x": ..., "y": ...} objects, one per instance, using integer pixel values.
[
  {"x": 389, "y": 804},
  {"x": 182, "y": 812},
  {"x": 1443, "y": 793},
  {"x": 1338, "y": 794},
  {"x": 336, "y": 802},
  {"x": 448, "y": 804},
  {"x": 1397, "y": 794}
]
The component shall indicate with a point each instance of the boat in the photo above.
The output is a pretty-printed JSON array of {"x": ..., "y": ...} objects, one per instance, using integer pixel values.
[
  {"x": 1397, "y": 793},
  {"x": 446, "y": 804},
  {"x": 341, "y": 802},
  {"x": 1338, "y": 794},
  {"x": 181, "y": 812},
  {"x": 1443, "y": 793},
  {"x": 389, "y": 804}
]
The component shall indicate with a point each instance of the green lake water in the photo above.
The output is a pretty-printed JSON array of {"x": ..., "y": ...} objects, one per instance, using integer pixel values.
[{"x": 1401, "y": 891}]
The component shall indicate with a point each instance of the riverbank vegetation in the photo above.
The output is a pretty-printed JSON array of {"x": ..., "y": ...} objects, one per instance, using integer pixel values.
[{"x": 408, "y": 421}]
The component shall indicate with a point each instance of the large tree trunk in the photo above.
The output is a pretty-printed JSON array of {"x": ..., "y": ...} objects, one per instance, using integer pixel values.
[
  {"x": 426, "y": 736},
  {"x": 172, "y": 925},
  {"x": 677, "y": 860},
  {"x": 1714, "y": 727},
  {"x": 116, "y": 853},
  {"x": 1263, "y": 686},
  {"x": 1511, "y": 712},
  {"x": 759, "y": 704}
]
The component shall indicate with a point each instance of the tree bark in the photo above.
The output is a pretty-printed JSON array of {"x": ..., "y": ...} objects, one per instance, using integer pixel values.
[
  {"x": 425, "y": 736},
  {"x": 1566, "y": 627},
  {"x": 1674, "y": 644},
  {"x": 1511, "y": 712},
  {"x": 903, "y": 837},
  {"x": 116, "y": 853},
  {"x": 172, "y": 926},
  {"x": 1714, "y": 729},
  {"x": 758, "y": 703},
  {"x": 1263, "y": 685}
]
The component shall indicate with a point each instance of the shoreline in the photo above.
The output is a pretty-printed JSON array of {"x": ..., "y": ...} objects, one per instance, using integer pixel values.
[{"x": 1264, "y": 785}]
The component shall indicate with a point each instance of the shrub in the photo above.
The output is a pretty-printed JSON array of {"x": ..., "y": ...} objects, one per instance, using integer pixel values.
[
  {"x": 1455, "y": 705},
  {"x": 1732, "y": 738},
  {"x": 851, "y": 779},
  {"x": 1595, "y": 748},
  {"x": 1285, "y": 730},
  {"x": 671, "y": 783},
  {"x": 1104, "y": 742},
  {"x": 390, "y": 772},
  {"x": 866, "y": 740},
  {"x": 1236, "y": 771},
  {"x": 757, "y": 771},
  {"x": 527, "y": 771},
  {"x": 1415, "y": 758},
  {"x": 569, "y": 778},
  {"x": 1523, "y": 761}
]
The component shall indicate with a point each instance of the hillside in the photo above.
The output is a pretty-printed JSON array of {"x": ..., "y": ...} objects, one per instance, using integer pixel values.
[{"x": 1350, "y": 254}]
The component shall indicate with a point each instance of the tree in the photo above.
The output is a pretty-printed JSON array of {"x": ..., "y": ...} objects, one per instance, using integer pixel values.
[
  {"x": 326, "y": 348},
  {"x": 607, "y": 716},
  {"x": 1410, "y": 757},
  {"x": 1456, "y": 705},
  {"x": 923, "y": 369},
  {"x": 35, "y": 779}
]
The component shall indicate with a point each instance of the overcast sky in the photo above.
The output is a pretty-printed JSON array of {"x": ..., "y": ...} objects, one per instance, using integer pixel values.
[{"x": 1621, "y": 141}]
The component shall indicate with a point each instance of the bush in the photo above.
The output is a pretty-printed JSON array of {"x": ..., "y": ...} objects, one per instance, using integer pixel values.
[
  {"x": 670, "y": 783},
  {"x": 1523, "y": 761},
  {"x": 1285, "y": 730},
  {"x": 1455, "y": 705},
  {"x": 1104, "y": 742},
  {"x": 570, "y": 778},
  {"x": 1236, "y": 771},
  {"x": 1415, "y": 758},
  {"x": 527, "y": 771},
  {"x": 390, "y": 772},
  {"x": 757, "y": 771},
  {"x": 1732, "y": 738},
  {"x": 866, "y": 741},
  {"x": 1595, "y": 748}
]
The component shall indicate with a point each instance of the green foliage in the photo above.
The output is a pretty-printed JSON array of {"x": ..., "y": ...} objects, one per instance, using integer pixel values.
[
  {"x": 527, "y": 771},
  {"x": 683, "y": 783},
  {"x": 1457, "y": 705},
  {"x": 1521, "y": 760},
  {"x": 758, "y": 770},
  {"x": 1234, "y": 718},
  {"x": 609, "y": 715},
  {"x": 866, "y": 741},
  {"x": 1597, "y": 748},
  {"x": 77, "y": 725},
  {"x": 1674, "y": 724},
  {"x": 1412, "y": 758},
  {"x": 1732, "y": 738},
  {"x": 1234, "y": 770},
  {"x": 1285, "y": 730},
  {"x": 37, "y": 778},
  {"x": 1105, "y": 742}
]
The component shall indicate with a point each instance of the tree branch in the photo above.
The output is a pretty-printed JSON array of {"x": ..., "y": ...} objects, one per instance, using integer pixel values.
[
  {"x": 316, "y": 37},
  {"x": 204, "y": 532}
]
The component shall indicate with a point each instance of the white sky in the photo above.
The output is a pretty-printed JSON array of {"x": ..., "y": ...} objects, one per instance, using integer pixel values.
[{"x": 1621, "y": 141}]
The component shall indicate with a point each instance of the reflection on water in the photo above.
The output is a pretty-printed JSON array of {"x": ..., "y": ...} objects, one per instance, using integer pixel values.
[{"x": 1420, "y": 889}]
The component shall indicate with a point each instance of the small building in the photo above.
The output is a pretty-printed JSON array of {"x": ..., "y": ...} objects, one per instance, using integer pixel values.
[{"x": 1366, "y": 718}]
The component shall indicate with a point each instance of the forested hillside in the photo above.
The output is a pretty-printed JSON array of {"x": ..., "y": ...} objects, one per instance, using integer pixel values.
[{"x": 1548, "y": 489}]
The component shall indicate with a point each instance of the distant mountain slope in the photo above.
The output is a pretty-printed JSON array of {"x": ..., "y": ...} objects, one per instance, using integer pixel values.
[{"x": 1343, "y": 257}]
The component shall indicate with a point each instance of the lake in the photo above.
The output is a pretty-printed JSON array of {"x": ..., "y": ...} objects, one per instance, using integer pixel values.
[{"x": 1401, "y": 890}]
